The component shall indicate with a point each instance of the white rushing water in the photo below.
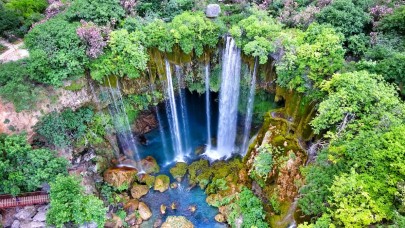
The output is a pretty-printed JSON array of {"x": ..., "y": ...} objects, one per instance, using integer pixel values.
[
  {"x": 121, "y": 124},
  {"x": 207, "y": 104},
  {"x": 183, "y": 109},
  {"x": 171, "y": 110},
  {"x": 249, "y": 112},
  {"x": 228, "y": 101}
]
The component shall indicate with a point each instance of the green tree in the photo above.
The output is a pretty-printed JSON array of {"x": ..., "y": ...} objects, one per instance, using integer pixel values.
[
  {"x": 61, "y": 129},
  {"x": 25, "y": 169},
  {"x": 250, "y": 209},
  {"x": 256, "y": 35},
  {"x": 358, "y": 96},
  {"x": 159, "y": 35},
  {"x": 125, "y": 56},
  {"x": 394, "y": 22},
  {"x": 27, "y": 8},
  {"x": 346, "y": 16},
  {"x": 69, "y": 204},
  {"x": 310, "y": 58},
  {"x": 193, "y": 31},
  {"x": 56, "y": 52},
  {"x": 98, "y": 11},
  {"x": 351, "y": 203}
]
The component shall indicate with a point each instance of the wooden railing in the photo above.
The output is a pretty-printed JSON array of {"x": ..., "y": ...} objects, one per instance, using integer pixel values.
[{"x": 26, "y": 199}]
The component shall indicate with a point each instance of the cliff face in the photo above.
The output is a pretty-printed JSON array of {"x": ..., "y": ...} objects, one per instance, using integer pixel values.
[{"x": 12, "y": 122}]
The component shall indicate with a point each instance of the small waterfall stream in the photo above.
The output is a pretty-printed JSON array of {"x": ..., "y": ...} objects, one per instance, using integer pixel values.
[
  {"x": 121, "y": 124},
  {"x": 171, "y": 110},
  {"x": 207, "y": 104},
  {"x": 228, "y": 101},
  {"x": 183, "y": 108},
  {"x": 249, "y": 112}
]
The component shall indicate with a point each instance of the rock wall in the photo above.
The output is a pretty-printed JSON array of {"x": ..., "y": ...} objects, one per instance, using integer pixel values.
[{"x": 12, "y": 122}]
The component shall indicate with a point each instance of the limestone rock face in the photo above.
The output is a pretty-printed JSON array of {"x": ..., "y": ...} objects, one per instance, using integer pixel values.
[
  {"x": 213, "y": 10},
  {"x": 119, "y": 176},
  {"x": 161, "y": 183},
  {"x": 144, "y": 211},
  {"x": 177, "y": 222},
  {"x": 138, "y": 190},
  {"x": 145, "y": 123}
]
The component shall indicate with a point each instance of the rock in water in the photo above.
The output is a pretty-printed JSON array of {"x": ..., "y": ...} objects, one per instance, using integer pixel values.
[
  {"x": 220, "y": 218},
  {"x": 177, "y": 222},
  {"x": 144, "y": 211},
  {"x": 119, "y": 176},
  {"x": 137, "y": 191},
  {"x": 150, "y": 165},
  {"x": 213, "y": 10},
  {"x": 161, "y": 183},
  {"x": 163, "y": 209}
]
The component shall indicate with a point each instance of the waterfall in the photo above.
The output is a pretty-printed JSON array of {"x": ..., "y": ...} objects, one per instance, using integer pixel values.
[
  {"x": 183, "y": 108},
  {"x": 249, "y": 112},
  {"x": 121, "y": 125},
  {"x": 172, "y": 115},
  {"x": 207, "y": 104},
  {"x": 228, "y": 101}
]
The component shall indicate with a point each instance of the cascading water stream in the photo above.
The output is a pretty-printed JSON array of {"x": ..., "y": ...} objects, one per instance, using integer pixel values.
[
  {"x": 207, "y": 105},
  {"x": 249, "y": 112},
  {"x": 172, "y": 115},
  {"x": 121, "y": 124},
  {"x": 183, "y": 108},
  {"x": 228, "y": 101}
]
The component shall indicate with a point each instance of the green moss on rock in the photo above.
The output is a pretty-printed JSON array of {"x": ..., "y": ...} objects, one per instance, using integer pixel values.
[{"x": 179, "y": 170}]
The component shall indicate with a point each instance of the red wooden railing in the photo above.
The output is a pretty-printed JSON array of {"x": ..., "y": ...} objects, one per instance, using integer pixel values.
[{"x": 26, "y": 199}]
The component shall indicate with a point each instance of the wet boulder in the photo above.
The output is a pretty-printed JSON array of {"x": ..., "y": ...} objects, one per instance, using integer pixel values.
[
  {"x": 162, "y": 183},
  {"x": 118, "y": 177},
  {"x": 150, "y": 165},
  {"x": 213, "y": 10},
  {"x": 178, "y": 222},
  {"x": 144, "y": 212},
  {"x": 179, "y": 170},
  {"x": 137, "y": 190}
]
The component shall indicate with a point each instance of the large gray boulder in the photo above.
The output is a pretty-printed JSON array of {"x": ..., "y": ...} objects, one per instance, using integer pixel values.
[{"x": 213, "y": 10}]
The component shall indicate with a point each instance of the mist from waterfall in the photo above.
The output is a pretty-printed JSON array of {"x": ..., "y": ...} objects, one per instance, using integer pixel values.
[
  {"x": 249, "y": 111},
  {"x": 207, "y": 104},
  {"x": 228, "y": 101},
  {"x": 122, "y": 127},
  {"x": 171, "y": 111}
]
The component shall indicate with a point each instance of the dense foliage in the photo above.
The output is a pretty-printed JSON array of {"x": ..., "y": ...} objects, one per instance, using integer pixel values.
[
  {"x": 311, "y": 57},
  {"x": 63, "y": 129},
  {"x": 247, "y": 211},
  {"x": 125, "y": 56},
  {"x": 70, "y": 205},
  {"x": 15, "y": 86},
  {"x": 23, "y": 168},
  {"x": 56, "y": 52},
  {"x": 97, "y": 11},
  {"x": 256, "y": 35},
  {"x": 365, "y": 121}
]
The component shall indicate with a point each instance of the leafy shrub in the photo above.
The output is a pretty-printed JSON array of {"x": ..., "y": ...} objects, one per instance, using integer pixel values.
[
  {"x": 56, "y": 52},
  {"x": 250, "y": 208},
  {"x": 10, "y": 21},
  {"x": 94, "y": 38},
  {"x": 60, "y": 129},
  {"x": 345, "y": 16},
  {"x": 98, "y": 11},
  {"x": 256, "y": 35},
  {"x": 394, "y": 22},
  {"x": 194, "y": 31},
  {"x": 125, "y": 56},
  {"x": 310, "y": 58},
  {"x": 15, "y": 86},
  {"x": 68, "y": 204},
  {"x": 159, "y": 35},
  {"x": 27, "y": 8},
  {"x": 25, "y": 169}
]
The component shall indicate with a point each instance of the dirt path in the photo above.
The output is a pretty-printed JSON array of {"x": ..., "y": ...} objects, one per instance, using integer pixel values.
[{"x": 14, "y": 52}]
